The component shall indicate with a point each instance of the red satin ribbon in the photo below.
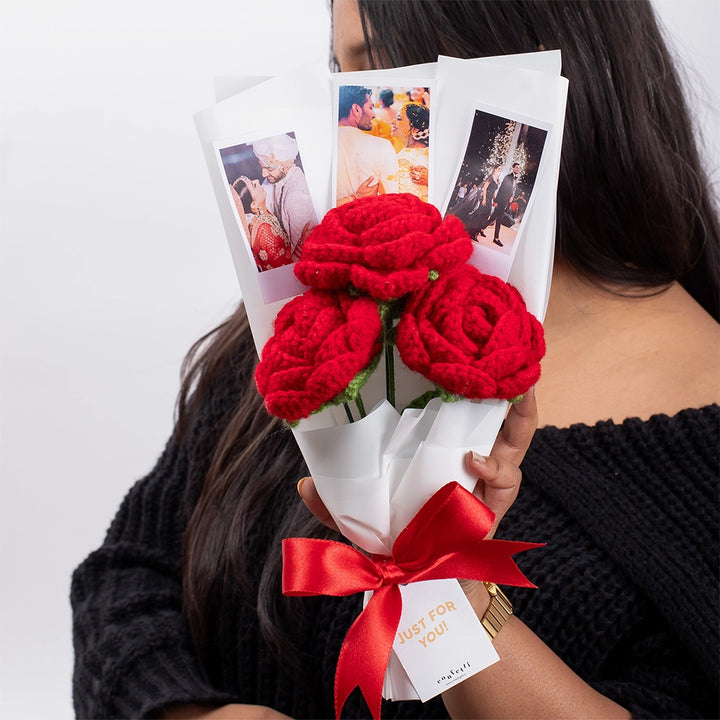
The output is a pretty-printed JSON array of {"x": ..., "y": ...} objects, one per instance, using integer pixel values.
[{"x": 444, "y": 540}]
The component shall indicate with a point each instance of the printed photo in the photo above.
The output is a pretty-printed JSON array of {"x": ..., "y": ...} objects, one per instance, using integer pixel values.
[
  {"x": 268, "y": 187},
  {"x": 383, "y": 141},
  {"x": 496, "y": 178}
]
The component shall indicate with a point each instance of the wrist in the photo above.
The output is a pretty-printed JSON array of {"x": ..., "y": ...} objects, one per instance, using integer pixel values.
[
  {"x": 490, "y": 604},
  {"x": 477, "y": 595}
]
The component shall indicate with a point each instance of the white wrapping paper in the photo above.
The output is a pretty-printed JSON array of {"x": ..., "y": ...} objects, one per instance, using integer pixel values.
[{"x": 375, "y": 474}]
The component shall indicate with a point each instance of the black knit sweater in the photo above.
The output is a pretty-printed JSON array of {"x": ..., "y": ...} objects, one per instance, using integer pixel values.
[{"x": 628, "y": 582}]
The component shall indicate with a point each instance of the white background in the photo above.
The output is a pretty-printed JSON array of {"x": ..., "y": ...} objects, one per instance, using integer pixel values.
[{"x": 114, "y": 261}]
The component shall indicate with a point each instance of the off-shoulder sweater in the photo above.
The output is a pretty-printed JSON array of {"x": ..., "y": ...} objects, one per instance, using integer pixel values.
[{"x": 627, "y": 583}]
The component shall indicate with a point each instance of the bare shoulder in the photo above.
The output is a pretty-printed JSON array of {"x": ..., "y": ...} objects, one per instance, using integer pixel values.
[
  {"x": 688, "y": 340},
  {"x": 615, "y": 357}
]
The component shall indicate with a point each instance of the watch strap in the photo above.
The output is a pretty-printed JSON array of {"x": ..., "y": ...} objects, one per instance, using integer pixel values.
[{"x": 499, "y": 610}]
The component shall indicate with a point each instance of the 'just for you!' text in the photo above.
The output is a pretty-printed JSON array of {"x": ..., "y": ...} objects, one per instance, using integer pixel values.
[{"x": 429, "y": 627}]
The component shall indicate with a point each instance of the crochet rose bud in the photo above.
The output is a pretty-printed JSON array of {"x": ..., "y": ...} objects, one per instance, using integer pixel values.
[
  {"x": 323, "y": 349},
  {"x": 385, "y": 246},
  {"x": 472, "y": 335}
]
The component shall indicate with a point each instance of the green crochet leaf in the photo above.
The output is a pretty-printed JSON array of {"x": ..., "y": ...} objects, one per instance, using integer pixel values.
[
  {"x": 351, "y": 392},
  {"x": 422, "y": 400}
]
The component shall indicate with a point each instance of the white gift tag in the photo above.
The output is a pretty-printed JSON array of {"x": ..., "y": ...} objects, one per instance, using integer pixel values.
[{"x": 440, "y": 640}]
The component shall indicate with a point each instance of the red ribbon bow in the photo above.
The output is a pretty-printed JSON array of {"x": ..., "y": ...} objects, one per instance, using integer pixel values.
[{"x": 444, "y": 540}]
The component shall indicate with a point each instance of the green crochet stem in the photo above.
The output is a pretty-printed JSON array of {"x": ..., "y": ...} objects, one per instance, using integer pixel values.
[
  {"x": 360, "y": 405},
  {"x": 390, "y": 374},
  {"x": 389, "y": 311}
]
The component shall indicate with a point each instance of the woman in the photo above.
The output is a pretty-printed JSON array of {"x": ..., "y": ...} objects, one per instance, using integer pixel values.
[
  {"x": 480, "y": 214},
  {"x": 270, "y": 244},
  {"x": 411, "y": 126},
  {"x": 620, "y": 480}
]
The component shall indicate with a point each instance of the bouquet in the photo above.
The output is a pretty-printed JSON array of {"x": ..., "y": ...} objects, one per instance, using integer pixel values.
[
  {"x": 388, "y": 276},
  {"x": 384, "y": 347}
]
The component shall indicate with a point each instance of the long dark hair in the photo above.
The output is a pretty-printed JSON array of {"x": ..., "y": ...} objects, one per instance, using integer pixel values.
[
  {"x": 633, "y": 209},
  {"x": 254, "y": 463}
]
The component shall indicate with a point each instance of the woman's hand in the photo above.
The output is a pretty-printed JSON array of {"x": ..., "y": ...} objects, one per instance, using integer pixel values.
[
  {"x": 498, "y": 474},
  {"x": 419, "y": 174},
  {"x": 309, "y": 494},
  {"x": 257, "y": 193}
]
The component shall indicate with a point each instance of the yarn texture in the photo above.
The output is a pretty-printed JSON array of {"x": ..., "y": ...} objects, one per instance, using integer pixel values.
[
  {"x": 374, "y": 261},
  {"x": 322, "y": 342},
  {"x": 385, "y": 246},
  {"x": 628, "y": 520},
  {"x": 472, "y": 335}
]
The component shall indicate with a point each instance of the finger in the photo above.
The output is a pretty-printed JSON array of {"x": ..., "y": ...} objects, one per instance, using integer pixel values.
[
  {"x": 497, "y": 486},
  {"x": 309, "y": 495},
  {"x": 493, "y": 472},
  {"x": 514, "y": 438}
]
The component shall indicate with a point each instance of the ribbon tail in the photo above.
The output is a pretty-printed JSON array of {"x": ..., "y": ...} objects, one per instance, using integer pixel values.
[
  {"x": 490, "y": 560},
  {"x": 366, "y": 650},
  {"x": 498, "y": 555}
]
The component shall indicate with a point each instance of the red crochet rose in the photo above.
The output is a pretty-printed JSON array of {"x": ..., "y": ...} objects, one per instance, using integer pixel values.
[
  {"x": 385, "y": 246},
  {"x": 472, "y": 335},
  {"x": 322, "y": 341}
]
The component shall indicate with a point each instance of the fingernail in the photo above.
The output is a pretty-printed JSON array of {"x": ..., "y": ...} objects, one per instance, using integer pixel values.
[
  {"x": 300, "y": 483},
  {"x": 476, "y": 457}
]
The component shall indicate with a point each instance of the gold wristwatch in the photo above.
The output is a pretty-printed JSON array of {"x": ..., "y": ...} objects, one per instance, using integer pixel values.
[{"x": 499, "y": 610}]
